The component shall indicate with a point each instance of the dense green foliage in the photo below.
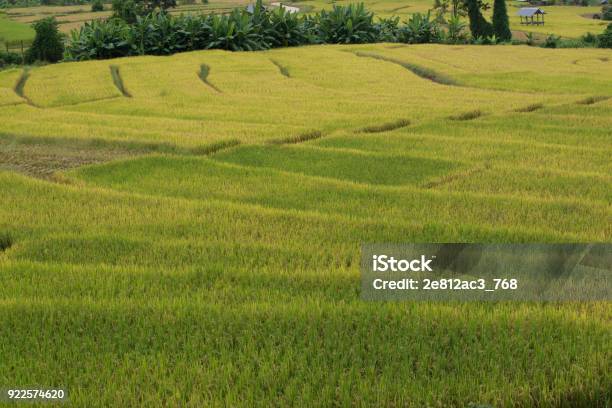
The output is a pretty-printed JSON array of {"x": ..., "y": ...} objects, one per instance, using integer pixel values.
[
  {"x": 606, "y": 12},
  {"x": 350, "y": 25},
  {"x": 552, "y": 41},
  {"x": 501, "y": 25},
  {"x": 97, "y": 5},
  {"x": 605, "y": 39},
  {"x": 9, "y": 58},
  {"x": 479, "y": 26},
  {"x": 419, "y": 29},
  {"x": 48, "y": 44},
  {"x": 456, "y": 32},
  {"x": 128, "y": 10},
  {"x": 159, "y": 33}
]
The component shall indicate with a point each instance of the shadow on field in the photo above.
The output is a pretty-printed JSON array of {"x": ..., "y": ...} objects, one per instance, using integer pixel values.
[
  {"x": 385, "y": 127},
  {"x": 118, "y": 81},
  {"x": 530, "y": 108},
  {"x": 302, "y": 137},
  {"x": 471, "y": 115},
  {"x": 420, "y": 71},
  {"x": 203, "y": 74},
  {"x": 284, "y": 71},
  {"x": 592, "y": 99},
  {"x": 20, "y": 85},
  {"x": 6, "y": 241}
]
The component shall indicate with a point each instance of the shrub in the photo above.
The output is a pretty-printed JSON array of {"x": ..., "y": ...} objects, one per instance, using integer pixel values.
[
  {"x": 501, "y": 25},
  {"x": 48, "y": 43},
  {"x": 552, "y": 41},
  {"x": 352, "y": 24},
  {"x": 286, "y": 29},
  {"x": 419, "y": 29},
  {"x": 606, "y": 12},
  {"x": 605, "y": 39},
  {"x": 456, "y": 31},
  {"x": 99, "y": 40},
  {"x": 97, "y": 6},
  {"x": 388, "y": 29},
  {"x": 127, "y": 10},
  {"x": 10, "y": 58},
  {"x": 589, "y": 38},
  {"x": 485, "y": 40},
  {"x": 479, "y": 26}
]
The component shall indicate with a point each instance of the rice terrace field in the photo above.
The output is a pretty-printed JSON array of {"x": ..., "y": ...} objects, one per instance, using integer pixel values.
[{"x": 186, "y": 230}]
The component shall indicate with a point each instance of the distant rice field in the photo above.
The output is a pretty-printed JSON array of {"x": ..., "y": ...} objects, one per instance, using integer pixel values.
[
  {"x": 564, "y": 21},
  {"x": 73, "y": 17},
  {"x": 12, "y": 33}
]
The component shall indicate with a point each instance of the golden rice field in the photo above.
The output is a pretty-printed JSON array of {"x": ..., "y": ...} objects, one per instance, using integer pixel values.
[{"x": 186, "y": 230}]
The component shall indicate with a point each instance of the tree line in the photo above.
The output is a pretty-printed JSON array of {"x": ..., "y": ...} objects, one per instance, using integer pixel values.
[{"x": 148, "y": 29}]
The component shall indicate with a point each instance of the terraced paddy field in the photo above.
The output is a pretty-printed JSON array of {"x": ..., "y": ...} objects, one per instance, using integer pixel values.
[
  {"x": 186, "y": 230},
  {"x": 13, "y": 32}
]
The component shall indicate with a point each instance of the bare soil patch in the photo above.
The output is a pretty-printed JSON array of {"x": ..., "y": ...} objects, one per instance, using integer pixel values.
[{"x": 43, "y": 160}]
